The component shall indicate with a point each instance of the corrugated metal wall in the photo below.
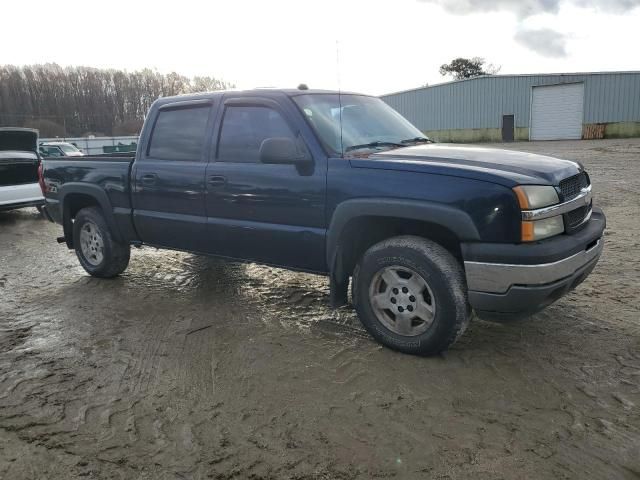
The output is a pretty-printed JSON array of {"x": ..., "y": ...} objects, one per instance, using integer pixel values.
[{"x": 481, "y": 102}]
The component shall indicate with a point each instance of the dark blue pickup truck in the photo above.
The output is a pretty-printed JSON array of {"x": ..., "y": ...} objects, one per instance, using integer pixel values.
[{"x": 341, "y": 185}]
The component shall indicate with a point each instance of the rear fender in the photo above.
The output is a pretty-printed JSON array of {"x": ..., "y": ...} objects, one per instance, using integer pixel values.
[{"x": 98, "y": 194}]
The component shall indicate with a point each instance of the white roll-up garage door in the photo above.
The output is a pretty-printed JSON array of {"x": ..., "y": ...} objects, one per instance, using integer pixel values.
[{"x": 556, "y": 112}]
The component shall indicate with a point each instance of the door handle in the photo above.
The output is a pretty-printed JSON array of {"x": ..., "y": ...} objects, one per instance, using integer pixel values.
[
  {"x": 217, "y": 180},
  {"x": 149, "y": 179}
]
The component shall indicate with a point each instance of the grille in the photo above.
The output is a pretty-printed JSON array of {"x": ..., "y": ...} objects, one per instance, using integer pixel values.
[
  {"x": 570, "y": 187},
  {"x": 576, "y": 217}
]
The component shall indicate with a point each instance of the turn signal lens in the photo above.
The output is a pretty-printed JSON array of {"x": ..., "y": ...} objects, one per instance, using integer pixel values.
[
  {"x": 527, "y": 232},
  {"x": 523, "y": 200}
]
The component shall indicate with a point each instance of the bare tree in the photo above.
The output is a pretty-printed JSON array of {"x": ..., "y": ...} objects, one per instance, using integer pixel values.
[{"x": 75, "y": 101}]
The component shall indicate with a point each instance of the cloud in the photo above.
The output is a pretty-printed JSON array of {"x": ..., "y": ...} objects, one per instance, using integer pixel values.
[
  {"x": 544, "y": 41},
  {"x": 612, "y": 6},
  {"x": 522, "y": 8},
  {"x": 528, "y": 8}
]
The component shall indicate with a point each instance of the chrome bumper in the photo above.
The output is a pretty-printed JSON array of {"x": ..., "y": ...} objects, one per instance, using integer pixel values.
[{"x": 500, "y": 277}]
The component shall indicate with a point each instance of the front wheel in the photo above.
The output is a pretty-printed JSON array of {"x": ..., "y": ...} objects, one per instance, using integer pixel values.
[
  {"x": 410, "y": 294},
  {"x": 99, "y": 254}
]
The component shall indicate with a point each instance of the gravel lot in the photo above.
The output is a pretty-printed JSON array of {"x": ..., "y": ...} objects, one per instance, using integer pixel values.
[{"x": 189, "y": 368}]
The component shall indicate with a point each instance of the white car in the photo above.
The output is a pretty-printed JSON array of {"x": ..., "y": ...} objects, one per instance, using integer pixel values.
[
  {"x": 19, "y": 163},
  {"x": 59, "y": 149}
]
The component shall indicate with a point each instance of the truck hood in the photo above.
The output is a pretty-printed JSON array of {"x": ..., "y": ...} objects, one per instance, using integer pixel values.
[
  {"x": 506, "y": 167},
  {"x": 18, "y": 139}
]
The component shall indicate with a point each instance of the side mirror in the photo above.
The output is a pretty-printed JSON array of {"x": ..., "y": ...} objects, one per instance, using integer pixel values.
[{"x": 283, "y": 150}]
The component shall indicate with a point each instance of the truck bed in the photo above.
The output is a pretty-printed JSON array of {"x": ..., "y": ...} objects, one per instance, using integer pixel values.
[
  {"x": 90, "y": 175},
  {"x": 110, "y": 172}
]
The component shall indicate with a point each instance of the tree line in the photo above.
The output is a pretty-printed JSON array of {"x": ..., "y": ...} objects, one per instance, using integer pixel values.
[
  {"x": 461, "y": 68},
  {"x": 78, "y": 101}
]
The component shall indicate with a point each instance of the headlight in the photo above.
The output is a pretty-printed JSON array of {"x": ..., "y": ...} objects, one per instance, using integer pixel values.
[
  {"x": 536, "y": 196},
  {"x": 531, "y": 197},
  {"x": 540, "y": 229}
]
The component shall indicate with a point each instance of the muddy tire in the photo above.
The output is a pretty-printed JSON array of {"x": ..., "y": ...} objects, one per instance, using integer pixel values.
[
  {"x": 411, "y": 296},
  {"x": 99, "y": 254}
]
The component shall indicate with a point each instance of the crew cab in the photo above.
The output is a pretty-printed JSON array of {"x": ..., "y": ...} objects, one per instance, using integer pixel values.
[
  {"x": 19, "y": 163},
  {"x": 341, "y": 185}
]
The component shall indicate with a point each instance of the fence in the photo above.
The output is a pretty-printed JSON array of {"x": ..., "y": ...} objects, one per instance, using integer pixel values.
[{"x": 98, "y": 145}]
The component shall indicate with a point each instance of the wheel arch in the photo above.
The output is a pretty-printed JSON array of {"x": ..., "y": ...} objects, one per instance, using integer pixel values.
[
  {"x": 358, "y": 224},
  {"x": 76, "y": 196}
]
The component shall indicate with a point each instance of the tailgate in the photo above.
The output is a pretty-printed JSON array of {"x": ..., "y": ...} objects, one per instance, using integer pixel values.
[
  {"x": 18, "y": 168},
  {"x": 18, "y": 156},
  {"x": 18, "y": 139}
]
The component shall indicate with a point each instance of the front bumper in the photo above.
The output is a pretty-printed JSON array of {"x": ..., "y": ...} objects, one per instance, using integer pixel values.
[{"x": 530, "y": 277}]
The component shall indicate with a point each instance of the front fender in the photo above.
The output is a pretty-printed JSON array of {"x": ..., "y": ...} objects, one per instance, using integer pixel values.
[
  {"x": 456, "y": 220},
  {"x": 451, "y": 218}
]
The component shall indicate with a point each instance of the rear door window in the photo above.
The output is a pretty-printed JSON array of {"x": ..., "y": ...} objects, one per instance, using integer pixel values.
[{"x": 179, "y": 134}]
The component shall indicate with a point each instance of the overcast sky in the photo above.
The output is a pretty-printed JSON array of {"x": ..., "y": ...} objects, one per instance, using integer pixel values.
[{"x": 371, "y": 46}]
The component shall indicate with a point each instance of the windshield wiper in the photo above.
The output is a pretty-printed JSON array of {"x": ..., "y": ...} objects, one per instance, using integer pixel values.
[
  {"x": 417, "y": 140},
  {"x": 373, "y": 145}
]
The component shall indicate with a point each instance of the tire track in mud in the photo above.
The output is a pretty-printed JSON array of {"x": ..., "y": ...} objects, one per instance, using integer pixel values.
[
  {"x": 187, "y": 367},
  {"x": 301, "y": 300}
]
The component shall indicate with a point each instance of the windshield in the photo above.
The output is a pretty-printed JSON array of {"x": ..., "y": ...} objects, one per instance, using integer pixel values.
[
  {"x": 68, "y": 148},
  {"x": 367, "y": 122}
]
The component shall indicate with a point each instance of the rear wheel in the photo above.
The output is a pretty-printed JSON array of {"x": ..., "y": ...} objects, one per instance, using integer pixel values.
[
  {"x": 410, "y": 294},
  {"x": 99, "y": 254}
]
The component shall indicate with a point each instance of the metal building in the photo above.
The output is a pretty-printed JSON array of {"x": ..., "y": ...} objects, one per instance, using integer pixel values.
[{"x": 525, "y": 107}]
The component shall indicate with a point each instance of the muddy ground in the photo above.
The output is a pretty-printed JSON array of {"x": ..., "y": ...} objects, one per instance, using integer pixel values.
[{"x": 189, "y": 368}]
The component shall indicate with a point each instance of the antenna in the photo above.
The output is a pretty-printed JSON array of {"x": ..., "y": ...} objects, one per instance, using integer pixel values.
[{"x": 339, "y": 95}]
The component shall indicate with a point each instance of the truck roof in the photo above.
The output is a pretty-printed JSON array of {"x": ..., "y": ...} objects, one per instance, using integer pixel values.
[
  {"x": 263, "y": 92},
  {"x": 50, "y": 144}
]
